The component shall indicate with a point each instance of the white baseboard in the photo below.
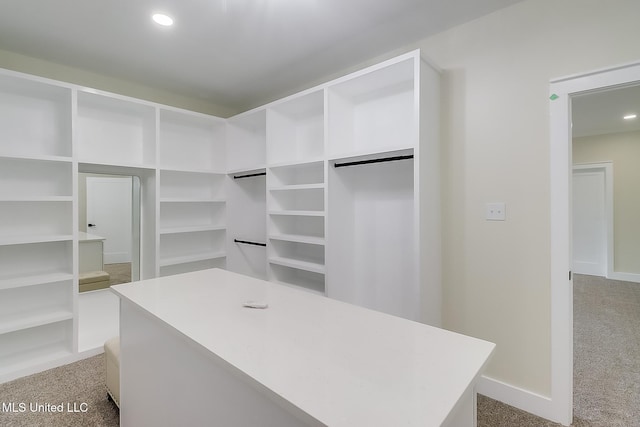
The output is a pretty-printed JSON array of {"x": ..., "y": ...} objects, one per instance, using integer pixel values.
[
  {"x": 627, "y": 277},
  {"x": 528, "y": 401}
]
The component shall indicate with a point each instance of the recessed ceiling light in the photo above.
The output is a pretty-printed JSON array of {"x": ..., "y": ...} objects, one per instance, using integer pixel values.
[
  {"x": 630, "y": 116},
  {"x": 163, "y": 19}
]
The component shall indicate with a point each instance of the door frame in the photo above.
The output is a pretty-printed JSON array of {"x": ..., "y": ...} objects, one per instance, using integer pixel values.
[
  {"x": 560, "y": 167},
  {"x": 607, "y": 169}
]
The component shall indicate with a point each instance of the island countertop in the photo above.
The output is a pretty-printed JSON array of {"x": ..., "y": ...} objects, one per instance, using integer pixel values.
[{"x": 341, "y": 364}]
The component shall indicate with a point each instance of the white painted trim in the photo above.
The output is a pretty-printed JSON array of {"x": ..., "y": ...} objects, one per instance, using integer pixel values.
[
  {"x": 561, "y": 91},
  {"x": 607, "y": 167},
  {"x": 517, "y": 397},
  {"x": 627, "y": 277}
]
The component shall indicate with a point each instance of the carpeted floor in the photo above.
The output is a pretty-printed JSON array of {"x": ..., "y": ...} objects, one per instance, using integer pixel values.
[
  {"x": 606, "y": 390},
  {"x": 77, "y": 387}
]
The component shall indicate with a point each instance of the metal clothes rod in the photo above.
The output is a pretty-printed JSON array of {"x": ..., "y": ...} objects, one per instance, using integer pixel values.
[
  {"x": 364, "y": 162},
  {"x": 246, "y": 242},
  {"x": 249, "y": 175}
]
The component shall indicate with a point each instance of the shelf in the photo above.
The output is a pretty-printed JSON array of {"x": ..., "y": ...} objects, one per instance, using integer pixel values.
[
  {"x": 23, "y": 240},
  {"x": 299, "y": 279},
  {"x": 191, "y": 258},
  {"x": 360, "y": 155},
  {"x": 255, "y": 171},
  {"x": 194, "y": 200},
  {"x": 40, "y": 279},
  {"x": 297, "y": 187},
  {"x": 314, "y": 289},
  {"x": 18, "y": 198},
  {"x": 297, "y": 213},
  {"x": 297, "y": 238},
  {"x": 192, "y": 229},
  {"x": 29, "y": 348},
  {"x": 125, "y": 166},
  {"x": 35, "y": 179},
  {"x": 303, "y": 163},
  {"x": 33, "y": 357},
  {"x": 36, "y": 318},
  {"x": 194, "y": 170},
  {"x": 37, "y": 158},
  {"x": 300, "y": 265}
]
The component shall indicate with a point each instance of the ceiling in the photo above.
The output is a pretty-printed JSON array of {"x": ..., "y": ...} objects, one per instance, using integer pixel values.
[
  {"x": 601, "y": 112},
  {"x": 234, "y": 53}
]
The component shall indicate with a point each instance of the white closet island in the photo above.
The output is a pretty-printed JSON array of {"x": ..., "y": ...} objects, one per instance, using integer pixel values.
[{"x": 192, "y": 354}]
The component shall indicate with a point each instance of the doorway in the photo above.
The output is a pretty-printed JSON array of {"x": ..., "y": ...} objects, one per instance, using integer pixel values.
[
  {"x": 108, "y": 251},
  {"x": 562, "y": 92},
  {"x": 592, "y": 189}
]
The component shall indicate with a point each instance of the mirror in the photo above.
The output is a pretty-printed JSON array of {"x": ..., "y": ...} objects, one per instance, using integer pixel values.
[{"x": 109, "y": 224}]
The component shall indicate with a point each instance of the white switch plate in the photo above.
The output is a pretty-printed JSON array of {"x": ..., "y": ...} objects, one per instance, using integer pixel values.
[{"x": 496, "y": 211}]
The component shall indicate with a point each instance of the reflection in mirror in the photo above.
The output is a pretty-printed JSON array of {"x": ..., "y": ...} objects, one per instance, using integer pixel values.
[{"x": 109, "y": 223}]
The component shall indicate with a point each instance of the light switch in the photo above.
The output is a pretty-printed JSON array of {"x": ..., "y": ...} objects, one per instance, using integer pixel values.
[{"x": 496, "y": 211}]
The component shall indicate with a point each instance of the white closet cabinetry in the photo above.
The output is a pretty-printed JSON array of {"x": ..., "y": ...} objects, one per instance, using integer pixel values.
[
  {"x": 36, "y": 224},
  {"x": 334, "y": 190},
  {"x": 115, "y": 131},
  {"x": 352, "y": 187},
  {"x": 246, "y": 190},
  {"x": 192, "y": 228}
]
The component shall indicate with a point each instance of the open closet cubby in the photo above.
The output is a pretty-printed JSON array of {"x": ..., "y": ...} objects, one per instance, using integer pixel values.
[
  {"x": 24, "y": 348},
  {"x": 42, "y": 262},
  {"x": 41, "y": 180},
  {"x": 247, "y": 138},
  {"x": 374, "y": 111},
  {"x": 300, "y": 279},
  {"x": 191, "y": 142},
  {"x": 35, "y": 220},
  {"x": 247, "y": 237},
  {"x": 295, "y": 129},
  {"x": 176, "y": 186},
  {"x": 371, "y": 232},
  {"x": 115, "y": 130},
  {"x": 35, "y": 119},
  {"x": 186, "y": 267},
  {"x": 183, "y": 247}
]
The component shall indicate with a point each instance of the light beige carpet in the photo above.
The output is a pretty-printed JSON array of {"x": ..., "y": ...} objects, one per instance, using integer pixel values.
[{"x": 606, "y": 391}]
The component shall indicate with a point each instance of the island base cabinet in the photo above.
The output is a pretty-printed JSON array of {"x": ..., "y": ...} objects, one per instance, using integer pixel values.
[{"x": 167, "y": 380}]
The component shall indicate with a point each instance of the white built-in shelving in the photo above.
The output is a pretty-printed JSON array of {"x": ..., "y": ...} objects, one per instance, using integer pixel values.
[
  {"x": 264, "y": 193},
  {"x": 192, "y": 159},
  {"x": 296, "y": 210},
  {"x": 36, "y": 222}
]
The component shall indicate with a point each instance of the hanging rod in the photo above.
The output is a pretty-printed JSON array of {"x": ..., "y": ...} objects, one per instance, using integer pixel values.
[
  {"x": 249, "y": 175},
  {"x": 246, "y": 242},
  {"x": 364, "y": 162}
]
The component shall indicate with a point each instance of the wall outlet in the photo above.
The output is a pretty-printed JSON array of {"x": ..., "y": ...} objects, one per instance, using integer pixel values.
[{"x": 496, "y": 211}]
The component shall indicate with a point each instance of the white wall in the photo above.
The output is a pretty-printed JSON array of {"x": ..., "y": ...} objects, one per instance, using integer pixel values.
[
  {"x": 496, "y": 148},
  {"x": 39, "y": 67}
]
